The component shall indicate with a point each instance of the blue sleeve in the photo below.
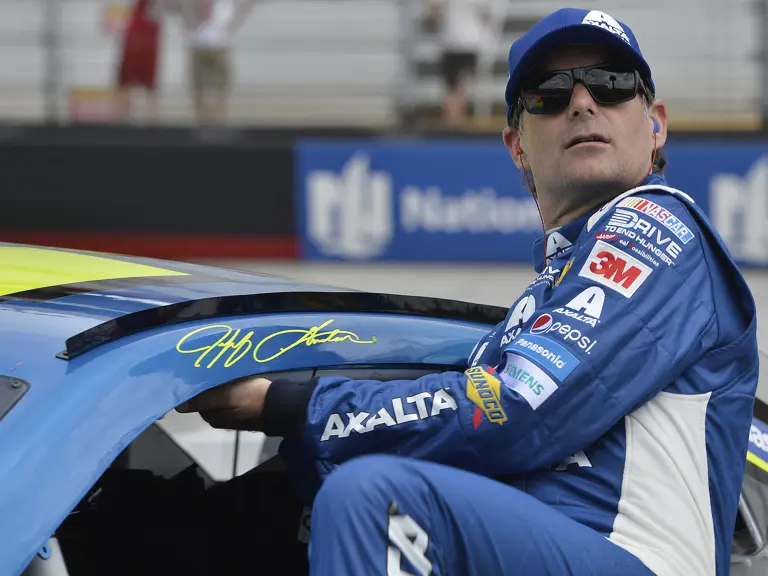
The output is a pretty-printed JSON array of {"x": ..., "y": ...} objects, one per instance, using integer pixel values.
[{"x": 627, "y": 318}]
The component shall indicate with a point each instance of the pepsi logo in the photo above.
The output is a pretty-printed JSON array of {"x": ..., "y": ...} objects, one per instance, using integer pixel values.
[{"x": 542, "y": 324}]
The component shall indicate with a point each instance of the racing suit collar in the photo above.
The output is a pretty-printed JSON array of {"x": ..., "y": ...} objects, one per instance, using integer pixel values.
[{"x": 560, "y": 240}]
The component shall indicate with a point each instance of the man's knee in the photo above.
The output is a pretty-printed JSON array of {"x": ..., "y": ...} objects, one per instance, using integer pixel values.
[{"x": 368, "y": 477}]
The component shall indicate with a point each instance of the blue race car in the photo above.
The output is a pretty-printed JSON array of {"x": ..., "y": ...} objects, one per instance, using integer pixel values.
[{"x": 97, "y": 348}]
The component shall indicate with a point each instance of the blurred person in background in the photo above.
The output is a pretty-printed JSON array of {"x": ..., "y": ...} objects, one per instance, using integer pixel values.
[
  {"x": 602, "y": 427},
  {"x": 210, "y": 27},
  {"x": 463, "y": 24},
  {"x": 137, "y": 71}
]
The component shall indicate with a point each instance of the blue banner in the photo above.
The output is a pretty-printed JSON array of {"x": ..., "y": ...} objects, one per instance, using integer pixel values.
[{"x": 459, "y": 201}]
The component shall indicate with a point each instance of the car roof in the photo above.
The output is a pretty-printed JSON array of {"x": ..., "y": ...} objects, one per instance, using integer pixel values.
[{"x": 90, "y": 356}]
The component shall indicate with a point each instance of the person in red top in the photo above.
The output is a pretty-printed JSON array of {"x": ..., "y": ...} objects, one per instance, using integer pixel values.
[{"x": 138, "y": 64}]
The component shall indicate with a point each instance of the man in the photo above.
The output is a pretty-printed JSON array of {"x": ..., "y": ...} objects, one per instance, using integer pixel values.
[
  {"x": 602, "y": 427},
  {"x": 463, "y": 25},
  {"x": 211, "y": 26}
]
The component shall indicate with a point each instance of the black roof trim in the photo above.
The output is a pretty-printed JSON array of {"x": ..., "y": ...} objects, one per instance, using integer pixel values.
[{"x": 275, "y": 303}]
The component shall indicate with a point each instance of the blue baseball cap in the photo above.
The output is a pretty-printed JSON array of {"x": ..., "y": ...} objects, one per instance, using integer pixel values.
[{"x": 571, "y": 26}]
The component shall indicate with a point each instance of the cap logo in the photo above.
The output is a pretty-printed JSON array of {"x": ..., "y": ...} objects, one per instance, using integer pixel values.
[{"x": 603, "y": 20}]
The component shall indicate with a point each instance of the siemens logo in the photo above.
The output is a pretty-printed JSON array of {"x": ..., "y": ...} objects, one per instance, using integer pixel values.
[{"x": 548, "y": 354}]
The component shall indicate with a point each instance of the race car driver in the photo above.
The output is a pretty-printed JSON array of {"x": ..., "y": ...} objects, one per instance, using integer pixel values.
[{"x": 602, "y": 427}]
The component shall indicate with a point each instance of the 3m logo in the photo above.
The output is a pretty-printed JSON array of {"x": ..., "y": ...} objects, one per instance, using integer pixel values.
[{"x": 615, "y": 269}]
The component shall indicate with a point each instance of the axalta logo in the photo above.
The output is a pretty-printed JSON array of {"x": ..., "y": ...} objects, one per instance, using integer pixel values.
[
  {"x": 484, "y": 390},
  {"x": 615, "y": 269},
  {"x": 603, "y": 20},
  {"x": 363, "y": 422},
  {"x": 590, "y": 302},
  {"x": 350, "y": 214},
  {"x": 557, "y": 245},
  {"x": 739, "y": 208},
  {"x": 545, "y": 325},
  {"x": 519, "y": 315}
]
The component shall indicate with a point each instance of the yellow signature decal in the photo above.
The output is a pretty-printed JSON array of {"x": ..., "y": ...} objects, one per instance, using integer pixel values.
[{"x": 237, "y": 346}]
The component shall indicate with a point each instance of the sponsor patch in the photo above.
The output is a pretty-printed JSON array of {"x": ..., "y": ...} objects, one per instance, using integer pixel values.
[
  {"x": 606, "y": 236},
  {"x": 590, "y": 302},
  {"x": 528, "y": 380},
  {"x": 670, "y": 221},
  {"x": 627, "y": 224},
  {"x": 544, "y": 325},
  {"x": 615, "y": 269},
  {"x": 557, "y": 245},
  {"x": 547, "y": 353},
  {"x": 415, "y": 408},
  {"x": 519, "y": 315},
  {"x": 606, "y": 22},
  {"x": 484, "y": 390}
]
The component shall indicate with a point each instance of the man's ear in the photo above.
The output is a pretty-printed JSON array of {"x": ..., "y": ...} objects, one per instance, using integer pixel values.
[
  {"x": 513, "y": 143},
  {"x": 658, "y": 114}
]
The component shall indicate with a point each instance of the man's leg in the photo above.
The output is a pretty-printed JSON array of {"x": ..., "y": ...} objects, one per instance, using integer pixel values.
[{"x": 396, "y": 517}]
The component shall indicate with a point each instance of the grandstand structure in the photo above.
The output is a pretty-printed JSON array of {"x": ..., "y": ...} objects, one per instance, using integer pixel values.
[{"x": 374, "y": 63}]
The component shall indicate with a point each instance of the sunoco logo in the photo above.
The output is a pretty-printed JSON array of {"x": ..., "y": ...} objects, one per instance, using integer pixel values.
[{"x": 542, "y": 324}]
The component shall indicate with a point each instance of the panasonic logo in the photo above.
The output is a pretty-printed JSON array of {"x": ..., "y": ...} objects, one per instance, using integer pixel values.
[{"x": 548, "y": 355}]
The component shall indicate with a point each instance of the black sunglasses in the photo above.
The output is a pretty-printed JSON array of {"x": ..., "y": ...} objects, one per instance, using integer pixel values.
[{"x": 550, "y": 92}]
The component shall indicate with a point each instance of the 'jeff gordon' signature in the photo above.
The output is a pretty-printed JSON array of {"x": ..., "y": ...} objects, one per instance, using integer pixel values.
[{"x": 231, "y": 342}]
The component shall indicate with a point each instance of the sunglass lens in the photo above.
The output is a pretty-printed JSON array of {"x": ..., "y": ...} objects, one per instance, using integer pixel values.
[
  {"x": 611, "y": 86},
  {"x": 548, "y": 95}
]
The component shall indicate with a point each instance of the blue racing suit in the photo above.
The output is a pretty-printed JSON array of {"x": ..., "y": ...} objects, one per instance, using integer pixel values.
[{"x": 601, "y": 428}]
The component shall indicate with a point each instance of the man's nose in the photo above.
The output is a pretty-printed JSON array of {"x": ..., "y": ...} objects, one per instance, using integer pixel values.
[{"x": 581, "y": 101}]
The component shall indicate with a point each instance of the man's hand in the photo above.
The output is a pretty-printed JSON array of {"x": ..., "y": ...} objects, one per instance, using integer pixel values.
[{"x": 234, "y": 406}]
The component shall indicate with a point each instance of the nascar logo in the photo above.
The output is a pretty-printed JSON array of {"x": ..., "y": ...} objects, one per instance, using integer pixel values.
[{"x": 671, "y": 222}]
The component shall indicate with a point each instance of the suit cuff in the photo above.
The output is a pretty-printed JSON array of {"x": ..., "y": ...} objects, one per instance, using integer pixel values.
[{"x": 285, "y": 408}]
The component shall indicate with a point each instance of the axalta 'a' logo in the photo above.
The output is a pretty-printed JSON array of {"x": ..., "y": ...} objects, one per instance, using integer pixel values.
[
  {"x": 615, "y": 269},
  {"x": 400, "y": 413},
  {"x": 484, "y": 389},
  {"x": 603, "y": 20}
]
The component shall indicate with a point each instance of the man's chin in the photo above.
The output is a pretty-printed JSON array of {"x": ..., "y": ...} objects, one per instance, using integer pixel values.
[{"x": 594, "y": 183}]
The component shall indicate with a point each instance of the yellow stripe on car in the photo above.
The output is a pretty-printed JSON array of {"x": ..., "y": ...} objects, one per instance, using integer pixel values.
[{"x": 26, "y": 268}]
